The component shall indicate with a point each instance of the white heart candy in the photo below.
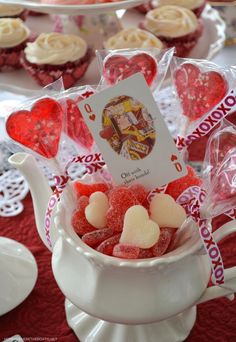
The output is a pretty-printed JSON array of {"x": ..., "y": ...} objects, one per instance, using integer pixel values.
[
  {"x": 138, "y": 229},
  {"x": 166, "y": 212},
  {"x": 96, "y": 211}
]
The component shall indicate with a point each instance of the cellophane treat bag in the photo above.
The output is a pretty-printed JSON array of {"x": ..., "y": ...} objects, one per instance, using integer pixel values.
[
  {"x": 117, "y": 65},
  {"x": 219, "y": 171},
  {"x": 200, "y": 87},
  {"x": 75, "y": 127}
]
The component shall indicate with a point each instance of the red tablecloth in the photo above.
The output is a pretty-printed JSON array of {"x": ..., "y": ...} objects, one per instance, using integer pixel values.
[{"x": 42, "y": 313}]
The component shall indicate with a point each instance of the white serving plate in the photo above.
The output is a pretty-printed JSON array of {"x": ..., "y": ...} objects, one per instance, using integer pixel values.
[
  {"x": 208, "y": 46},
  {"x": 18, "y": 272},
  {"x": 37, "y": 6}
]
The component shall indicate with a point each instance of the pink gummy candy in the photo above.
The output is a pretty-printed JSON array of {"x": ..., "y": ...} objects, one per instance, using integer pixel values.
[
  {"x": 164, "y": 241},
  {"x": 106, "y": 247},
  {"x": 126, "y": 251},
  {"x": 139, "y": 192},
  {"x": 79, "y": 221},
  {"x": 82, "y": 202},
  {"x": 120, "y": 199},
  {"x": 145, "y": 253},
  {"x": 94, "y": 238}
]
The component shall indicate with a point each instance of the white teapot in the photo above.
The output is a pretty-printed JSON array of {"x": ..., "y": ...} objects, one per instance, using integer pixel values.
[{"x": 115, "y": 300}]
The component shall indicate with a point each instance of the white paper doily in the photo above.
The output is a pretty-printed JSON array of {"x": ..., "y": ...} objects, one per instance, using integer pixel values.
[{"x": 13, "y": 188}]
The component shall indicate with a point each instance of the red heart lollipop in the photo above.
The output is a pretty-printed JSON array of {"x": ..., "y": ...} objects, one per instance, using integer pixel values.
[
  {"x": 198, "y": 91},
  {"x": 38, "y": 129},
  {"x": 76, "y": 127},
  {"x": 118, "y": 67}
]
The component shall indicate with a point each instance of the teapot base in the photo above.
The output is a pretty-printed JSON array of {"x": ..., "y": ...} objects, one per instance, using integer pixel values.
[{"x": 91, "y": 329}]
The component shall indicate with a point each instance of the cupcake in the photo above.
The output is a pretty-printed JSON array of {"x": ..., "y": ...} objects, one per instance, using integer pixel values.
[
  {"x": 12, "y": 11},
  {"x": 175, "y": 26},
  {"x": 197, "y": 6},
  {"x": 55, "y": 55},
  {"x": 13, "y": 37},
  {"x": 131, "y": 38}
]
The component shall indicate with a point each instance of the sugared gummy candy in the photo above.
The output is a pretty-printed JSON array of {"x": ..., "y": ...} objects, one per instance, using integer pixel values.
[
  {"x": 88, "y": 189},
  {"x": 106, "y": 247},
  {"x": 94, "y": 238},
  {"x": 175, "y": 188},
  {"x": 79, "y": 221},
  {"x": 120, "y": 200},
  {"x": 126, "y": 251}
]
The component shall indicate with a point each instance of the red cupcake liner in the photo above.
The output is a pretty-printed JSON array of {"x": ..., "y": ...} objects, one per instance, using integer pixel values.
[
  {"x": 144, "y": 8},
  {"x": 45, "y": 74},
  {"x": 36, "y": 14},
  {"x": 23, "y": 15},
  {"x": 10, "y": 57},
  {"x": 183, "y": 45},
  {"x": 198, "y": 11}
]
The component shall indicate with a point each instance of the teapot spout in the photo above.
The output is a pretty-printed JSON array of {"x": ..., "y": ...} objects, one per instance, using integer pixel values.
[{"x": 39, "y": 188}]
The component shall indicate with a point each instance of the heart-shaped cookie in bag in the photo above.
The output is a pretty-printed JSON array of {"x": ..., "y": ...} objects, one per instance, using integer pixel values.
[
  {"x": 117, "y": 67},
  {"x": 138, "y": 229},
  {"x": 166, "y": 212}
]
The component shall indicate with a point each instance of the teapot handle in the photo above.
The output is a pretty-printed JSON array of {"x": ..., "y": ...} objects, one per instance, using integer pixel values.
[{"x": 229, "y": 287}]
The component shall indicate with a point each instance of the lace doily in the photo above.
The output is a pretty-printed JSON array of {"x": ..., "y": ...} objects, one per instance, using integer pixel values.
[{"x": 13, "y": 188}]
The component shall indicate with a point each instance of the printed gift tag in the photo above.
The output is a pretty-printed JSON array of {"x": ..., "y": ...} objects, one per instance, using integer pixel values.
[{"x": 131, "y": 134}]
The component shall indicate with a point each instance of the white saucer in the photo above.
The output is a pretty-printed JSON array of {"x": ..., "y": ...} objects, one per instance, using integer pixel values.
[{"x": 18, "y": 274}]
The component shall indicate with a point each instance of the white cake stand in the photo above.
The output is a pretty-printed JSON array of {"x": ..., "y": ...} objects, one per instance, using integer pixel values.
[
  {"x": 18, "y": 272},
  {"x": 96, "y": 9}
]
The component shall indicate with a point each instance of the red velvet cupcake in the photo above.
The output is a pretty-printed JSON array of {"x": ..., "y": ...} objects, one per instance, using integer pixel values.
[
  {"x": 175, "y": 26},
  {"x": 13, "y": 11},
  {"x": 196, "y": 6},
  {"x": 55, "y": 55},
  {"x": 144, "y": 8},
  {"x": 13, "y": 38}
]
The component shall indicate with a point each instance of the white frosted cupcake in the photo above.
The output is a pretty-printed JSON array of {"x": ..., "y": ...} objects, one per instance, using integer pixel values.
[
  {"x": 197, "y": 6},
  {"x": 13, "y": 38},
  {"x": 175, "y": 26},
  {"x": 55, "y": 55},
  {"x": 13, "y": 11},
  {"x": 131, "y": 38}
]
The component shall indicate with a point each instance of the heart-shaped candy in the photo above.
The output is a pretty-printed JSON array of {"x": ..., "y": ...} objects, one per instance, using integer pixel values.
[
  {"x": 38, "y": 129},
  {"x": 118, "y": 67},
  {"x": 138, "y": 229},
  {"x": 166, "y": 212},
  {"x": 96, "y": 211},
  {"x": 198, "y": 91}
]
